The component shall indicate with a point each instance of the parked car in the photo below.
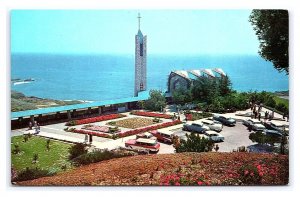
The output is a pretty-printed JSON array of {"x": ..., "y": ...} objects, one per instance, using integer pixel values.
[
  {"x": 254, "y": 124},
  {"x": 216, "y": 126},
  {"x": 164, "y": 136},
  {"x": 224, "y": 120},
  {"x": 195, "y": 127},
  {"x": 214, "y": 136},
  {"x": 143, "y": 144},
  {"x": 146, "y": 135},
  {"x": 277, "y": 126}
]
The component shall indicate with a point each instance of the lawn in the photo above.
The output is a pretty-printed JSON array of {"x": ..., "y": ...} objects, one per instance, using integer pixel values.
[
  {"x": 132, "y": 123},
  {"x": 51, "y": 160}
]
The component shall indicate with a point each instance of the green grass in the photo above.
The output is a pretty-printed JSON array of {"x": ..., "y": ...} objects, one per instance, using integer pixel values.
[
  {"x": 51, "y": 160},
  {"x": 281, "y": 100}
]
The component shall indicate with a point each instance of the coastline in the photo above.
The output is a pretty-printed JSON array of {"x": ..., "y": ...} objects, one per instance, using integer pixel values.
[{"x": 22, "y": 102}]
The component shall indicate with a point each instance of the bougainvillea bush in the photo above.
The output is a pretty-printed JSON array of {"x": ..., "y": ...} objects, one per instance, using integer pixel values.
[
  {"x": 180, "y": 169},
  {"x": 151, "y": 114},
  {"x": 94, "y": 119}
]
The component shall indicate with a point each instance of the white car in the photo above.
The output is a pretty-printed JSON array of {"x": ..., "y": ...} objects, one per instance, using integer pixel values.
[
  {"x": 212, "y": 125},
  {"x": 214, "y": 136},
  {"x": 256, "y": 125}
]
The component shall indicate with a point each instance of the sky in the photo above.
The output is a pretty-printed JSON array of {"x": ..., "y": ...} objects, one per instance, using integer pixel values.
[{"x": 170, "y": 32}]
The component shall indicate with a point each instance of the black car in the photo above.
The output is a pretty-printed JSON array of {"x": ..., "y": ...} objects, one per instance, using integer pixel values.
[{"x": 225, "y": 121}]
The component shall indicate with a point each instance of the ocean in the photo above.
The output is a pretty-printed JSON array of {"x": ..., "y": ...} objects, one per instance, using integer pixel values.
[{"x": 104, "y": 77}]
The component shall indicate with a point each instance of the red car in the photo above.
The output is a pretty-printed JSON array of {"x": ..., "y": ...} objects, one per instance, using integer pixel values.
[
  {"x": 164, "y": 136},
  {"x": 143, "y": 144}
]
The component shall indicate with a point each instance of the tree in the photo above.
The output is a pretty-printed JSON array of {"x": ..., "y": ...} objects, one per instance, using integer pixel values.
[
  {"x": 182, "y": 96},
  {"x": 205, "y": 89},
  {"x": 194, "y": 143},
  {"x": 272, "y": 29},
  {"x": 225, "y": 86},
  {"x": 76, "y": 150},
  {"x": 156, "y": 102}
]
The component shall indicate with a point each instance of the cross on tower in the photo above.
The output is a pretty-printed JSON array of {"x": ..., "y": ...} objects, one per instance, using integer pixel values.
[{"x": 139, "y": 18}]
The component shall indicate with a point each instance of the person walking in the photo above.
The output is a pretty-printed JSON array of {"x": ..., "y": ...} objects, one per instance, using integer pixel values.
[
  {"x": 30, "y": 125},
  {"x": 259, "y": 116}
]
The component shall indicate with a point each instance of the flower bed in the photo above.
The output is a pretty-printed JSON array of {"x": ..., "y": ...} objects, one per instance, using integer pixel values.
[
  {"x": 126, "y": 133},
  {"x": 103, "y": 129},
  {"x": 94, "y": 133},
  {"x": 94, "y": 119},
  {"x": 149, "y": 128},
  {"x": 151, "y": 114}
]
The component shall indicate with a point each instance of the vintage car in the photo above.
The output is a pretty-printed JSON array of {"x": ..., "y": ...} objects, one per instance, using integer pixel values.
[
  {"x": 195, "y": 127},
  {"x": 143, "y": 144},
  {"x": 254, "y": 124},
  {"x": 163, "y": 136},
  {"x": 214, "y": 136},
  {"x": 213, "y": 125},
  {"x": 146, "y": 135},
  {"x": 224, "y": 120},
  {"x": 277, "y": 126}
]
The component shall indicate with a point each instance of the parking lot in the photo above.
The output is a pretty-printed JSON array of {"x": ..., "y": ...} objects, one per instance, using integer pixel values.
[{"x": 235, "y": 137}]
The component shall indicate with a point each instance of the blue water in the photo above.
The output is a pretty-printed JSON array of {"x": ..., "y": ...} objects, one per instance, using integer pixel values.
[{"x": 103, "y": 77}]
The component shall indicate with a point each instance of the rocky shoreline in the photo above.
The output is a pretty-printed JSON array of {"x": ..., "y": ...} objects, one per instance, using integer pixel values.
[{"x": 21, "y": 102}]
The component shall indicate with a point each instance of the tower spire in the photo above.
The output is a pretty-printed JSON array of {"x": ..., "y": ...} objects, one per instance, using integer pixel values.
[{"x": 139, "y": 19}]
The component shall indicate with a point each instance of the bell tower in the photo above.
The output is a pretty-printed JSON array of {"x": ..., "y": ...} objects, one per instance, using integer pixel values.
[{"x": 140, "y": 82}]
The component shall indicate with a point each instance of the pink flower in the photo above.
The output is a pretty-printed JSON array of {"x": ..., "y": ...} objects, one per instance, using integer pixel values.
[
  {"x": 251, "y": 174},
  {"x": 200, "y": 183},
  {"x": 246, "y": 172},
  {"x": 261, "y": 174},
  {"x": 177, "y": 184}
]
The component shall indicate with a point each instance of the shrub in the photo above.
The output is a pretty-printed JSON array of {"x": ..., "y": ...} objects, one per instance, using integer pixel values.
[
  {"x": 35, "y": 158},
  {"x": 25, "y": 137},
  {"x": 99, "y": 155},
  {"x": 29, "y": 174},
  {"x": 17, "y": 149},
  {"x": 156, "y": 120},
  {"x": 282, "y": 108},
  {"x": 71, "y": 123},
  {"x": 249, "y": 175},
  {"x": 76, "y": 150},
  {"x": 194, "y": 143},
  {"x": 48, "y": 145}
]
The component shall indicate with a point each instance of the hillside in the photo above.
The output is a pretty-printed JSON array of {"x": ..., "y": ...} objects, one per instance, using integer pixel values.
[{"x": 178, "y": 169}]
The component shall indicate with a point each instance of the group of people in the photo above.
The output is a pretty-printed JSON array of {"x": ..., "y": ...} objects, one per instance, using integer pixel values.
[
  {"x": 257, "y": 110},
  {"x": 36, "y": 126}
]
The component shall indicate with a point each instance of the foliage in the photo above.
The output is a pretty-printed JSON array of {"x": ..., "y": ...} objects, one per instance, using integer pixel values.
[
  {"x": 282, "y": 108},
  {"x": 99, "y": 155},
  {"x": 156, "y": 102},
  {"x": 35, "y": 157},
  {"x": 272, "y": 29},
  {"x": 250, "y": 175},
  {"x": 32, "y": 173},
  {"x": 197, "y": 116},
  {"x": 48, "y": 145},
  {"x": 182, "y": 96},
  {"x": 194, "y": 143},
  {"x": 261, "y": 138},
  {"x": 17, "y": 149},
  {"x": 76, "y": 150},
  {"x": 94, "y": 119}
]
